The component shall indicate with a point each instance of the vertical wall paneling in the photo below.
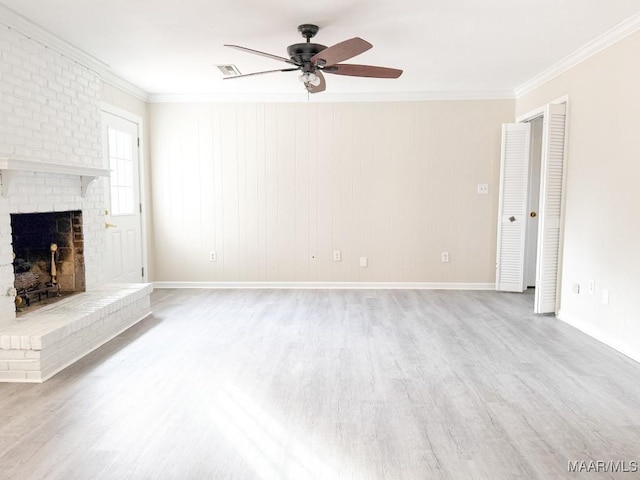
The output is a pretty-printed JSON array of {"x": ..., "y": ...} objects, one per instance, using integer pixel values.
[
  {"x": 324, "y": 181},
  {"x": 419, "y": 183},
  {"x": 286, "y": 190},
  {"x": 190, "y": 201},
  {"x": 301, "y": 253},
  {"x": 252, "y": 204},
  {"x": 364, "y": 154},
  {"x": 274, "y": 189},
  {"x": 336, "y": 213},
  {"x": 205, "y": 182},
  {"x": 312, "y": 125},
  {"x": 230, "y": 192},
  {"x": 380, "y": 195},
  {"x": 217, "y": 192}
]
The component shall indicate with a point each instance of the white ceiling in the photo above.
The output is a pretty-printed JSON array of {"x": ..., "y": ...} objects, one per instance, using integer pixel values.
[{"x": 172, "y": 46}]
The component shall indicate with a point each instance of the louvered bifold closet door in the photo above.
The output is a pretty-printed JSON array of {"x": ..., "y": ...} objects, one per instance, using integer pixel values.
[
  {"x": 512, "y": 207},
  {"x": 551, "y": 187}
]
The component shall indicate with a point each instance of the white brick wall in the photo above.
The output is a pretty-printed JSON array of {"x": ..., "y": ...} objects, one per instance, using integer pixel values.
[{"x": 49, "y": 111}]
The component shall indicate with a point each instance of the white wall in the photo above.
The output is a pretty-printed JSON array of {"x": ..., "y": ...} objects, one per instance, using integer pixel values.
[
  {"x": 49, "y": 111},
  {"x": 602, "y": 227},
  {"x": 274, "y": 189}
]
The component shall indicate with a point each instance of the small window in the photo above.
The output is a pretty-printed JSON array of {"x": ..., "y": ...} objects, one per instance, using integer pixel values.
[{"x": 121, "y": 165}]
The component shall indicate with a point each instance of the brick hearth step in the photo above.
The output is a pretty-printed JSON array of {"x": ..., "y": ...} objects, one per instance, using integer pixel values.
[{"x": 39, "y": 344}]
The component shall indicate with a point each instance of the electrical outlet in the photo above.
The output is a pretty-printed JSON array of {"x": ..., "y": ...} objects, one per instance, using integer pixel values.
[
  {"x": 444, "y": 257},
  {"x": 337, "y": 256},
  {"x": 575, "y": 288},
  {"x": 483, "y": 188},
  {"x": 363, "y": 261},
  {"x": 213, "y": 257}
]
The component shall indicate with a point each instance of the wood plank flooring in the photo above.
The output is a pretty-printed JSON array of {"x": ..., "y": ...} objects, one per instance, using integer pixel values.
[{"x": 330, "y": 384}]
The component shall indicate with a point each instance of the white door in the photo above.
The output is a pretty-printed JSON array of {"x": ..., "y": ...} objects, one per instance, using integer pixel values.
[
  {"x": 122, "y": 211},
  {"x": 512, "y": 207},
  {"x": 551, "y": 187}
]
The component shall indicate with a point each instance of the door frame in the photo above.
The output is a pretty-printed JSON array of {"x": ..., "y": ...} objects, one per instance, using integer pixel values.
[
  {"x": 527, "y": 117},
  {"x": 138, "y": 121}
]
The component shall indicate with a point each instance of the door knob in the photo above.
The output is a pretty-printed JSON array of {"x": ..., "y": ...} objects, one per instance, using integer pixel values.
[
  {"x": 109, "y": 225},
  {"x": 533, "y": 214}
]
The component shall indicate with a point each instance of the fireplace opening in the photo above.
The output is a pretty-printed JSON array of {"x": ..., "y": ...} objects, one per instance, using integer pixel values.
[{"x": 48, "y": 251}]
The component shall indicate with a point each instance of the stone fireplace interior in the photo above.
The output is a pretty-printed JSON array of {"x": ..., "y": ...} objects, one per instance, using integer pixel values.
[{"x": 48, "y": 256}]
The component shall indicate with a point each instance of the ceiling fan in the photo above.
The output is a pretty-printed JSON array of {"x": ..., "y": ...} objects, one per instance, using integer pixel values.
[{"x": 313, "y": 59}]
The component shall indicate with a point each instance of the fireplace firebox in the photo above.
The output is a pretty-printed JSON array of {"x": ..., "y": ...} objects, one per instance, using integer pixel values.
[{"x": 48, "y": 253}]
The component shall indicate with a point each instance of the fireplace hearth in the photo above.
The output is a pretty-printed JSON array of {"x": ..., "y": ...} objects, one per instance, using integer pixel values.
[{"x": 48, "y": 256}]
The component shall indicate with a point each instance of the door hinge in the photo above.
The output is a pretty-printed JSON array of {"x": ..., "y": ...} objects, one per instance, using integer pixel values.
[
  {"x": 140, "y": 207},
  {"x": 138, "y": 142},
  {"x": 142, "y": 272}
]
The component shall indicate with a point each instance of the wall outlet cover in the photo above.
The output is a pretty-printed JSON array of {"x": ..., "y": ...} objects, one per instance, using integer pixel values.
[{"x": 483, "y": 188}]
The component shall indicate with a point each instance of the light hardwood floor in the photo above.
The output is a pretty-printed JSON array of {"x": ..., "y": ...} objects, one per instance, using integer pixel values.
[{"x": 330, "y": 384}]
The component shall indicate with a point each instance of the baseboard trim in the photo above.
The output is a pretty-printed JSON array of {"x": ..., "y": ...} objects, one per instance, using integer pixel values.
[
  {"x": 330, "y": 285},
  {"x": 599, "y": 335}
]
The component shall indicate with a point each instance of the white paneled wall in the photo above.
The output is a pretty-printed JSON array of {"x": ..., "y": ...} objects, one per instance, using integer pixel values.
[{"x": 274, "y": 189}]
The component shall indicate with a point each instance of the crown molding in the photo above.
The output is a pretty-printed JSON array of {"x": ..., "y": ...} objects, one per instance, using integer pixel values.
[
  {"x": 17, "y": 22},
  {"x": 111, "y": 78},
  {"x": 327, "y": 97},
  {"x": 611, "y": 36},
  {"x": 25, "y": 26}
]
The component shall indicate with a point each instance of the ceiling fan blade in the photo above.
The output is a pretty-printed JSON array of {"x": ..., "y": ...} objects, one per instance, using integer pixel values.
[
  {"x": 321, "y": 86},
  {"x": 262, "y": 54},
  {"x": 262, "y": 73},
  {"x": 363, "y": 71},
  {"x": 341, "y": 51}
]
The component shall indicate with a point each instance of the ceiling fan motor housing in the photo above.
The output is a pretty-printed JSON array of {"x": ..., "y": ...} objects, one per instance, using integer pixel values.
[{"x": 301, "y": 54}]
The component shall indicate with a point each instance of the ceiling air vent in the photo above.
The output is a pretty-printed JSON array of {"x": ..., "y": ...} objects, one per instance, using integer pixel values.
[{"x": 228, "y": 70}]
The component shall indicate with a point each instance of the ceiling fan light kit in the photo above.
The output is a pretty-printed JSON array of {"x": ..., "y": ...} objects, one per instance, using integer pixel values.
[
  {"x": 310, "y": 78},
  {"x": 312, "y": 59}
]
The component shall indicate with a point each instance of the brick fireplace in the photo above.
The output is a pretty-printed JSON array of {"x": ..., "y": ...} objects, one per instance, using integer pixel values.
[
  {"x": 51, "y": 165},
  {"x": 51, "y": 154}
]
